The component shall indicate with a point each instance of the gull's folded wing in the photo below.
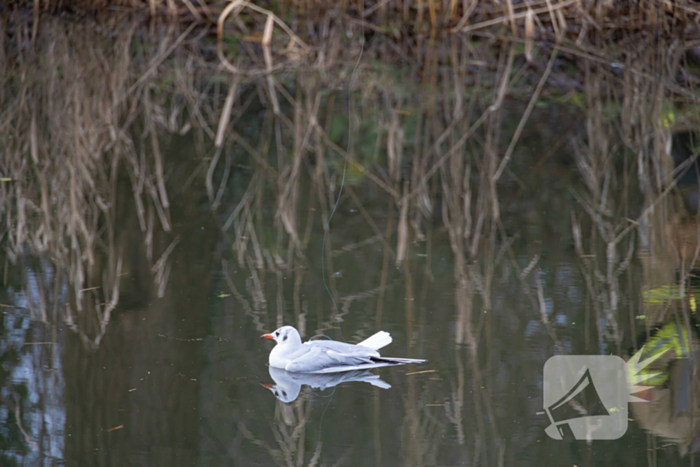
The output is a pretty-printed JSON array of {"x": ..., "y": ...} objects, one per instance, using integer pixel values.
[{"x": 320, "y": 357}]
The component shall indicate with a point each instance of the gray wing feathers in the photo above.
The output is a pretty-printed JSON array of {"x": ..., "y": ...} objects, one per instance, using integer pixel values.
[
  {"x": 333, "y": 356},
  {"x": 325, "y": 356},
  {"x": 341, "y": 347}
]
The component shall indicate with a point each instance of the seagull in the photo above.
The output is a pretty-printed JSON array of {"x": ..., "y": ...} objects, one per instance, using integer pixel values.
[
  {"x": 326, "y": 356},
  {"x": 287, "y": 385}
]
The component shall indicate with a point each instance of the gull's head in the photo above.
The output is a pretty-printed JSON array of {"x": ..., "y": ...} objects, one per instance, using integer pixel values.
[{"x": 284, "y": 336}]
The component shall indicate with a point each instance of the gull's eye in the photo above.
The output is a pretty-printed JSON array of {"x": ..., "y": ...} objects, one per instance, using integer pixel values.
[
  {"x": 277, "y": 333},
  {"x": 277, "y": 393}
]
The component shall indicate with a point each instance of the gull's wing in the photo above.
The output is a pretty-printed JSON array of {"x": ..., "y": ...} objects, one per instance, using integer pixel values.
[
  {"x": 341, "y": 347},
  {"x": 324, "y": 355}
]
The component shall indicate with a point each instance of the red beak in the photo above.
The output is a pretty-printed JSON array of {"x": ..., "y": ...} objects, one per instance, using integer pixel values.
[
  {"x": 267, "y": 386},
  {"x": 267, "y": 336}
]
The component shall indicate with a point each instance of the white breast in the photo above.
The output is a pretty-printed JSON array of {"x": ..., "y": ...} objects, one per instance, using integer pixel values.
[
  {"x": 283, "y": 354},
  {"x": 277, "y": 358}
]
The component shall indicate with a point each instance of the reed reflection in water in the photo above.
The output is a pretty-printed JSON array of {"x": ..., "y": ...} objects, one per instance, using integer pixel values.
[{"x": 143, "y": 255}]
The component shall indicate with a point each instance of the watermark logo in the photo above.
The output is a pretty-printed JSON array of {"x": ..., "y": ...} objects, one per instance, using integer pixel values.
[{"x": 586, "y": 397}]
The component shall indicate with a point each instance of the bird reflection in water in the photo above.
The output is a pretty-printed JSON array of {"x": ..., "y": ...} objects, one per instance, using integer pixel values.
[{"x": 288, "y": 385}]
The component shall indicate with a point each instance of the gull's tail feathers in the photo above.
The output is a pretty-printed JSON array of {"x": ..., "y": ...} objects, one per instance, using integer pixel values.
[
  {"x": 377, "y": 341},
  {"x": 396, "y": 361}
]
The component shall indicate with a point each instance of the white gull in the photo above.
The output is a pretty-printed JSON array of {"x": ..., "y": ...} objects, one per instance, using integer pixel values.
[{"x": 326, "y": 356}]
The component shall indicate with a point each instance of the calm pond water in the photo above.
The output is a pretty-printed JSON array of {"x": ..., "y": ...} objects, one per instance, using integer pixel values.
[{"x": 143, "y": 261}]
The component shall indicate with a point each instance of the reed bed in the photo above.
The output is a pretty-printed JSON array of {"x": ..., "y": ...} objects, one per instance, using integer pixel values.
[{"x": 558, "y": 18}]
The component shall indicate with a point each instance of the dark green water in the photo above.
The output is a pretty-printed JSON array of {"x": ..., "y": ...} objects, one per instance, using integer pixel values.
[{"x": 486, "y": 281}]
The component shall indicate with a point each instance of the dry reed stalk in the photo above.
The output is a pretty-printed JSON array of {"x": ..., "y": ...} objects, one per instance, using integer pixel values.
[
  {"x": 172, "y": 9},
  {"x": 224, "y": 180},
  {"x": 157, "y": 61},
  {"x": 394, "y": 148},
  {"x": 210, "y": 173},
  {"x": 450, "y": 12},
  {"x": 524, "y": 118},
  {"x": 35, "y": 28},
  {"x": 160, "y": 179},
  {"x": 381, "y": 5},
  {"x": 402, "y": 238},
  {"x": 554, "y": 19},
  {"x": 512, "y": 18},
  {"x": 466, "y": 13},
  {"x": 20, "y": 425},
  {"x": 433, "y": 14},
  {"x": 152, "y": 7},
  {"x": 267, "y": 38},
  {"x": 234, "y": 8},
  {"x": 529, "y": 34},
  {"x": 193, "y": 10},
  {"x": 419, "y": 13},
  {"x": 226, "y": 111}
]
